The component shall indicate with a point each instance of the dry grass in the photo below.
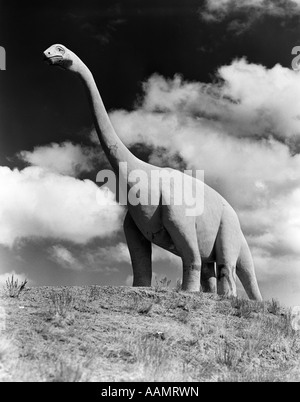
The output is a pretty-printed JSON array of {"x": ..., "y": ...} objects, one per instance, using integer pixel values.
[
  {"x": 5, "y": 349},
  {"x": 131, "y": 334},
  {"x": 66, "y": 373},
  {"x": 8, "y": 358}
]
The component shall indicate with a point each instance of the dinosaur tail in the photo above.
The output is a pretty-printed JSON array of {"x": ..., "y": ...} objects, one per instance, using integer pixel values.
[{"x": 246, "y": 272}]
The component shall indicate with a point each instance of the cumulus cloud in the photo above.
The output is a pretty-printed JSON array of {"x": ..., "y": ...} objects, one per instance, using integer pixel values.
[
  {"x": 219, "y": 9},
  {"x": 65, "y": 158},
  {"x": 35, "y": 202},
  {"x": 248, "y": 100},
  {"x": 243, "y": 13},
  {"x": 100, "y": 259},
  {"x": 108, "y": 255},
  {"x": 244, "y": 131},
  {"x": 63, "y": 257}
]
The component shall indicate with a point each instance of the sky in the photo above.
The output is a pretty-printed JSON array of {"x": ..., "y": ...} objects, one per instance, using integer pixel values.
[{"x": 188, "y": 84}]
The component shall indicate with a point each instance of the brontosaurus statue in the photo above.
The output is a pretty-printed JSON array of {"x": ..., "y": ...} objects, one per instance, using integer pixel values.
[{"x": 214, "y": 235}]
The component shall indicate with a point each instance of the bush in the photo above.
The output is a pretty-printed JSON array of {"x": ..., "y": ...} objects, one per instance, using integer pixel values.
[
  {"x": 13, "y": 288},
  {"x": 274, "y": 307},
  {"x": 162, "y": 284},
  {"x": 62, "y": 302},
  {"x": 227, "y": 354}
]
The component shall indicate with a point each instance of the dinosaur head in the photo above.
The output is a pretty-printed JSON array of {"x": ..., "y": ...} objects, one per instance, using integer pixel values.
[{"x": 59, "y": 55}]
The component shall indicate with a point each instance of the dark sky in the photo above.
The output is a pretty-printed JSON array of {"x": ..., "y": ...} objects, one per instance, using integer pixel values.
[{"x": 123, "y": 43}]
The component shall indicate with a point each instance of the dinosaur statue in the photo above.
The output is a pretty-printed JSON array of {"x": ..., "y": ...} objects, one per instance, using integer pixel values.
[{"x": 214, "y": 236}]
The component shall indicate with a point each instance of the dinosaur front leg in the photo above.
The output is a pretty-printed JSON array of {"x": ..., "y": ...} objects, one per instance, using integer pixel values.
[
  {"x": 183, "y": 233},
  {"x": 140, "y": 250},
  {"x": 208, "y": 277}
]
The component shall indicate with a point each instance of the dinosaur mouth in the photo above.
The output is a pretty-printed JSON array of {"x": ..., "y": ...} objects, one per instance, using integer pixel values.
[{"x": 53, "y": 59}]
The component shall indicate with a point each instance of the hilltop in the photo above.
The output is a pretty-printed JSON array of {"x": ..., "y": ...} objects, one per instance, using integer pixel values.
[{"x": 105, "y": 333}]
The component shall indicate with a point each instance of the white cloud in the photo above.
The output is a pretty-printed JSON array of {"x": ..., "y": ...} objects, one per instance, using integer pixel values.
[
  {"x": 65, "y": 158},
  {"x": 38, "y": 203},
  {"x": 216, "y": 10},
  {"x": 62, "y": 256},
  {"x": 100, "y": 260},
  {"x": 109, "y": 255},
  {"x": 264, "y": 102}
]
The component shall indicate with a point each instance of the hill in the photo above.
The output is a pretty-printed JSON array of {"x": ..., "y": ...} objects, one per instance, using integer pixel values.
[{"x": 99, "y": 333}]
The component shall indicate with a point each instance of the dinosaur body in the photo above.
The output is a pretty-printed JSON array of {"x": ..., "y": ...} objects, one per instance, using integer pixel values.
[{"x": 213, "y": 236}]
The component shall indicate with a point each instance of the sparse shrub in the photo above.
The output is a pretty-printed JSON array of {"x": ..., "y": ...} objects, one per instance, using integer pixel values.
[
  {"x": 286, "y": 323},
  {"x": 184, "y": 316},
  {"x": 245, "y": 308},
  {"x": 254, "y": 343},
  {"x": 62, "y": 302},
  {"x": 13, "y": 288},
  {"x": 140, "y": 305},
  {"x": 67, "y": 373},
  {"x": 174, "y": 301},
  {"x": 145, "y": 308},
  {"x": 178, "y": 286},
  {"x": 94, "y": 292},
  {"x": 271, "y": 337},
  {"x": 259, "y": 306},
  {"x": 227, "y": 354},
  {"x": 274, "y": 307},
  {"x": 196, "y": 302},
  {"x": 224, "y": 307},
  {"x": 136, "y": 298},
  {"x": 280, "y": 326},
  {"x": 121, "y": 354},
  {"x": 153, "y": 355},
  {"x": 160, "y": 335},
  {"x": 162, "y": 284}
]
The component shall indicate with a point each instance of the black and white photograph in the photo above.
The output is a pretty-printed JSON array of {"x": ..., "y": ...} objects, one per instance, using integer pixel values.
[{"x": 149, "y": 193}]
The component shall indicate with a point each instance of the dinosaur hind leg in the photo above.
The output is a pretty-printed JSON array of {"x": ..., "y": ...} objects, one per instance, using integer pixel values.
[
  {"x": 208, "y": 277},
  {"x": 226, "y": 278},
  {"x": 228, "y": 246},
  {"x": 140, "y": 250},
  {"x": 246, "y": 273}
]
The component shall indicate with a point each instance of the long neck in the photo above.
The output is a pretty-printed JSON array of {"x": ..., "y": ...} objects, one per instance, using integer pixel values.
[{"x": 113, "y": 147}]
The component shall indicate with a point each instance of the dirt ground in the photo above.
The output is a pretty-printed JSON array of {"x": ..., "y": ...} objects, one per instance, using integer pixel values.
[{"x": 101, "y": 334}]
